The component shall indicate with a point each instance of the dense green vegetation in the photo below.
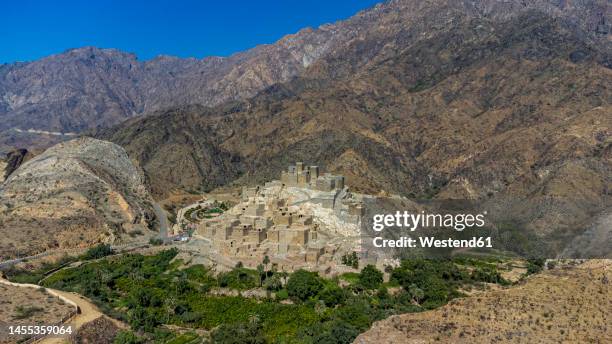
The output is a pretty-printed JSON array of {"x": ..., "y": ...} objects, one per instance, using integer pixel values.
[
  {"x": 127, "y": 337},
  {"x": 148, "y": 291},
  {"x": 239, "y": 279}
]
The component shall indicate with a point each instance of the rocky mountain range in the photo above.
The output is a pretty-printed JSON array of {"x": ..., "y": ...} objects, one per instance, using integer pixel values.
[
  {"x": 88, "y": 87},
  {"x": 76, "y": 193}
]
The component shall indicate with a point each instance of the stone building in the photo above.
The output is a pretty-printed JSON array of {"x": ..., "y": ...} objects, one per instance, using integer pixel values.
[
  {"x": 277, "y": 219},
  {"x": 299, "y": 175},
  {"x": 251, "y": 224}
]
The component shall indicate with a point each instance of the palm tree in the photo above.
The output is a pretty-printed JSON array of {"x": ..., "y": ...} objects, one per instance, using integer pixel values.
[
  {"x": 416, "y": 293},
  {"x": 169, "y": 304},
  {"x": 260, "y": 270}
]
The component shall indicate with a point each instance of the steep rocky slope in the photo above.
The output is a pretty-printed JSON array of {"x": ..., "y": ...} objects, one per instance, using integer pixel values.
[
  {"x": 509, "y": 105},
  {"x": 565, "y": 305},
  {"x": 76, "y": 193},
  {"x": 3, "y": 168},
  {"x": 89, "y": 87},
  {"x": 12, "y": 161}
]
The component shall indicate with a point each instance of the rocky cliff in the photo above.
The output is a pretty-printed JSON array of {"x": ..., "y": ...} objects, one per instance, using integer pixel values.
[
  {"x": 76, "y": 193},
  {"x": 12, "y": 161}
]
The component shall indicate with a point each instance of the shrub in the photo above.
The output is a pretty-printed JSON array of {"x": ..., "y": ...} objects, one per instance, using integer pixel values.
[
  {"x": 488, "y": 275},
  {"x": 535, "y": 265},
  {"x": 156, "y": 241},
  {"x": 336, "y": 332},
  {"x": 370, "y": 277},
  {"x": 351, "y": 260},
  {"x": 332, "y": 295},
  {"x": 282, "y": 295},
  {"x": 239, "y": 278},
  {"x": 98, "y": 251},
  {"x": 273, "y": 283},
  {"x": 191, "y": 317},
  {"x": 303, "y": 285}
]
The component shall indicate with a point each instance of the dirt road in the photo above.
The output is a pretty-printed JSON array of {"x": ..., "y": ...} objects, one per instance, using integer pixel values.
[{"x": 88, "y": 311}]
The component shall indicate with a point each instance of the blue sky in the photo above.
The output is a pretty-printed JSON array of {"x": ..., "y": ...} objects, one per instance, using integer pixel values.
[{"x": 33, "y": 29}]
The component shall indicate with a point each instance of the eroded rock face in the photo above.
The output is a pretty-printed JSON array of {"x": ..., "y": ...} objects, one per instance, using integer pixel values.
[
  {"x": 74, "y": 194},
  {"x": 13, "y": 160},
  {"x": 3, "y": 168}
]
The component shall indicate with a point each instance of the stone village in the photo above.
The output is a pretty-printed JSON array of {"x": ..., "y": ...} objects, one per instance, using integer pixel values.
[{"x": 305, "y": 219}]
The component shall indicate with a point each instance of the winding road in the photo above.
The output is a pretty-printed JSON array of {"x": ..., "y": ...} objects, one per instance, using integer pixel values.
[{"x": 87, "y": 311}]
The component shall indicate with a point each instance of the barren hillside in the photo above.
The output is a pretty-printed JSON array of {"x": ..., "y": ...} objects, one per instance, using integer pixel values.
[
  {"x": 76, "y": 193},
  {"x": 28, "y": 306},
  {"x": 570, "y": 304}
]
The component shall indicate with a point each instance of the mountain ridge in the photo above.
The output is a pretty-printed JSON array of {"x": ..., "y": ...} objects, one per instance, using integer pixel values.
[{"x": 85, "y": 88}]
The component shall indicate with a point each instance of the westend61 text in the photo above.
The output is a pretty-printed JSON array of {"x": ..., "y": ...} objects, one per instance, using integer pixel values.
[{"x": 432, "y": 242}]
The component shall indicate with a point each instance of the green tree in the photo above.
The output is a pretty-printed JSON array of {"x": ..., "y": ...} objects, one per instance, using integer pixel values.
[
  {"x": 238, "y": 278},
  {"x": 156, "y": 241},
  {"x": 332, "y": 295},
  {"x": 535, "y": 265},
  {"x": 98, "y": 251},
  {"x": 273, "y": 282},
  {"x": 370, "y": 277},
  {"x": 303, "y": 285}
]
